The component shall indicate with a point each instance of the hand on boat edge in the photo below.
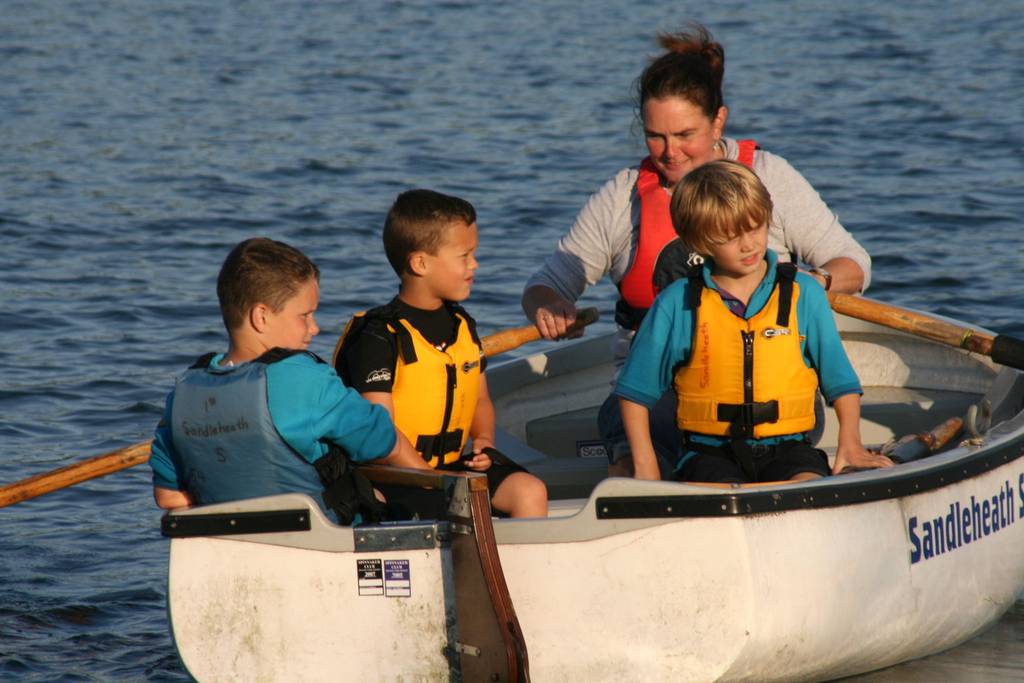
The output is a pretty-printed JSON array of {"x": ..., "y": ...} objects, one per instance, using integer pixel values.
[{"x": 855, "y": 459}]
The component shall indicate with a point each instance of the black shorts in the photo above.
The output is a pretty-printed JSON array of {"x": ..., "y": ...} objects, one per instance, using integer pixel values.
[
  {"x": 501, "y": 467},
  {"x": 778, "y": 463},
  {"x": 406, "y": 502}
]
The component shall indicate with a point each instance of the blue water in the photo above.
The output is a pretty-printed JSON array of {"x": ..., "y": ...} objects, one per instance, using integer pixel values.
[{"x": 141, "y": 140}]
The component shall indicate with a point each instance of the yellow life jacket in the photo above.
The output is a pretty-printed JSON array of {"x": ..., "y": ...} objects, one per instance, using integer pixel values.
[
  {"x": 746, "y": 378},
  {"x": 434, "y": 392}
]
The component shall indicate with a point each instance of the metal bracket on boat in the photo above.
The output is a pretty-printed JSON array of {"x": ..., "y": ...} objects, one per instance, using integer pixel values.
[
  {"x": 457, "y": 493},
  {"x": 403, "y": 536},
  {"x": 461, "y": 528},
  {"x": 463, "y": 649},
  {"x": 978, "y": 419}
]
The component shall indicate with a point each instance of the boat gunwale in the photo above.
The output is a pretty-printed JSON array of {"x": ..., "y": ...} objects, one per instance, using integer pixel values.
[{"x": 849, "y": 489}]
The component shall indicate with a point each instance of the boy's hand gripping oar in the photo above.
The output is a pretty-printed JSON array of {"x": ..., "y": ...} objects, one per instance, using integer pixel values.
[
  {"x": 1002, "y": 349},
  {"x": 136, "y": 454}
]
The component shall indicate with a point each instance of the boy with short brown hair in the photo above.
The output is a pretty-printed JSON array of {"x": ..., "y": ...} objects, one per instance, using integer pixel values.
[
  {"x": 267, "y": 416},
  {"x": 419, "y": 355}
]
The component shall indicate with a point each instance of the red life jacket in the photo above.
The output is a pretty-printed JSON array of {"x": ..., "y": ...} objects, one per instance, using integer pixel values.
[{"x": 660, "y": 258}]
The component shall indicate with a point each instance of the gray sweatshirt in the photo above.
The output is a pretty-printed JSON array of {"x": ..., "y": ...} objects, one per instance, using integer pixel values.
[{"x": 603, "y": 238}]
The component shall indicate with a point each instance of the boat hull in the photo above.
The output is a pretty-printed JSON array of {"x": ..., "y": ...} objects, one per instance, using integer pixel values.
[
  {"x": 631, "y": 580},
  {"x": 805, "y": 594},
  {"x": 259, "y": 611}
]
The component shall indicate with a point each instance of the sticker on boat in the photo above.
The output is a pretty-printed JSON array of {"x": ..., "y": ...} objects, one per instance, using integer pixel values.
[
  {"x": 390, "y": 578},
  {"x": 396, "y": 579},
  {"x": 371, "y": 577}
]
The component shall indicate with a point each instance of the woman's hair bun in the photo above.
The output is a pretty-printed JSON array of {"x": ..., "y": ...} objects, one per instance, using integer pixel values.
[{"x": 695, "y": 40}]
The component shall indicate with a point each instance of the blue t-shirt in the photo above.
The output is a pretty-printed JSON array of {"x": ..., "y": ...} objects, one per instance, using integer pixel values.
[
  {"x": 310, "y": 406},
  {"x": 665, "y": 338}
]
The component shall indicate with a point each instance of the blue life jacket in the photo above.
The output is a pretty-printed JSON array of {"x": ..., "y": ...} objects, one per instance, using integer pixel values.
[{"x": 226, "y": 439}]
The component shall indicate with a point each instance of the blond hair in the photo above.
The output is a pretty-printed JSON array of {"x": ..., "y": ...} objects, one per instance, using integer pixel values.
[{"x": 716, "y": 202}]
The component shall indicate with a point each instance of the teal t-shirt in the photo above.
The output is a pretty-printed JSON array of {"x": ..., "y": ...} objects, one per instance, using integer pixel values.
[
  {"x": 665, "y": 338},
  {"x": 310, "y": 408}
]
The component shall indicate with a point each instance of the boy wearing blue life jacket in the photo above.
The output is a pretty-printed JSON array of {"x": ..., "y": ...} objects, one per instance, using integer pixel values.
[
  {"x": 268, "y": 417},
  {"x": 419, "y": 355},
  {"x": 746, "y": 342}
]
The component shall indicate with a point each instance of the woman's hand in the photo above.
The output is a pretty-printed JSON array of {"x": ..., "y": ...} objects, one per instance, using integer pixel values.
[
  {"x": 551, "y": 314},
  {"x": 554, "y": 320}
]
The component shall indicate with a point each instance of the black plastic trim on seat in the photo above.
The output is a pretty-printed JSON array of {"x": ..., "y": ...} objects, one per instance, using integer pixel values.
[
  {"x": 234, "y": 523},
  {"x": 797, "y": 497}
]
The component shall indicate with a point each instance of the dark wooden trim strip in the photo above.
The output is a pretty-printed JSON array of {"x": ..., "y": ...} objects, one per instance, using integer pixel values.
[{"x": 757, "y": 500}]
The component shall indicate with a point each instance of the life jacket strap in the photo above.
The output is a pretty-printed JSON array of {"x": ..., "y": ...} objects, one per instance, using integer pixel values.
[
  {"x": 274, "y": 355},
  {"x": 696, "y": 278},
  {"x": 203, "y": 361},
  {"x": 785, "y": 273},
  {"x": 346, "y": 490},
  {"x": 436, "y": 445},
  {"x": 743, "y": 416},
  {"x": 470, "y": 322}
]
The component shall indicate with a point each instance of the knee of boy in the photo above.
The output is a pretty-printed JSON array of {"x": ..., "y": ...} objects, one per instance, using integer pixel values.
[
  {"x": 538, "y": 489},
  {"x": 532, "y": 490}
]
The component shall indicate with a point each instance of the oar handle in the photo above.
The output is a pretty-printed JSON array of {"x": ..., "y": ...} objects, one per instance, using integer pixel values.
[
  {"x": 1002, "y": 349},
  {"x": 500, "y": 342}
]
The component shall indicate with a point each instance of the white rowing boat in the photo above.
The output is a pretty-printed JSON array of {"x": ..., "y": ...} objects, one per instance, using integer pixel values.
[{"x": 631, "y": 580}]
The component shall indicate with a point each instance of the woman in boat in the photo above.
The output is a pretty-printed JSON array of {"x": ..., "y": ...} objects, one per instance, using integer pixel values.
[{"x": 625, "y": 231}]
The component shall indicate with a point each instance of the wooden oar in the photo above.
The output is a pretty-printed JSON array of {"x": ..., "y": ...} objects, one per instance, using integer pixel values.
[
  {"x": 100, "y": 466},
  {"x": 915, "y": 446},
  {"x": 1004, "y": 350},
  {"x": 136, "y": 454},
  {"x": 483, "y": 606},
  {"x": 506, "y": 340}
]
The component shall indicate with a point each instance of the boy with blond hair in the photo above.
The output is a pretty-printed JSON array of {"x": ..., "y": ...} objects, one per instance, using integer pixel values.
[
  {"x": 267, "y": 416},
  {"x": 419, "y": 356},
  {"x": 746, "y": 342}
]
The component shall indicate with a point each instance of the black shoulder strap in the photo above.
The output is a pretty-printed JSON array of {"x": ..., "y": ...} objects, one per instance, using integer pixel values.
[
  {"x": 278, "y": 354},
  {"x": 696, "y": 280},
  {"x": 785, "y": 273},
  {"x": 405, "y": 345},
  {"x": 203, "y": 361},
  {"x": 389, "y": 314},
  {"x": 456, "y": 308}
]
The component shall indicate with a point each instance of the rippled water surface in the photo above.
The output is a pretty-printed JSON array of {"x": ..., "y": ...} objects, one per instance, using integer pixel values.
[{"x": 141, "y": 140}]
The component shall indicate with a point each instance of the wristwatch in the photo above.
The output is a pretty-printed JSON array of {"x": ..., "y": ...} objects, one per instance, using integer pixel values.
[{"x": 825, "y": 274}]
